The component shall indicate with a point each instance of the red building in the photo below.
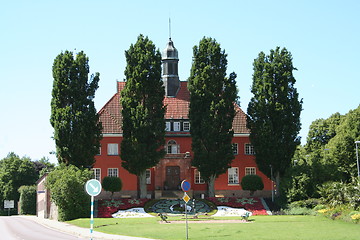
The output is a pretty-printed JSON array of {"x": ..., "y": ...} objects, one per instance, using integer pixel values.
[{"x": 165, "y": 178}]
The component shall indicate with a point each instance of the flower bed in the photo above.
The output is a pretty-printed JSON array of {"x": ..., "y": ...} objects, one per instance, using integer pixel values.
[
  {"x": 107, "y": 207},
  {"x": 253, "y": 205}
]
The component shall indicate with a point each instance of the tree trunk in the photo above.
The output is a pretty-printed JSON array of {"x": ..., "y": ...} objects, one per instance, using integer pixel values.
[
  {"x": 211, "y": 186},
  {"x": 277, "y": 184},
  {"x": 142, "y": 184}
]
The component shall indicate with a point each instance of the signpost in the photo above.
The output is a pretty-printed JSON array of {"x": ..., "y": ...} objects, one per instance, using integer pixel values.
[
  {"x": 9, "y": 204},
  {"x": 185, "y": 186},
  {"x": 93, "y": 188}
]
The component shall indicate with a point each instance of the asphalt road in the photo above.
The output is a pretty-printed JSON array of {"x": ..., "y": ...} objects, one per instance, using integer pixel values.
[{"x": 18, "y": 228}]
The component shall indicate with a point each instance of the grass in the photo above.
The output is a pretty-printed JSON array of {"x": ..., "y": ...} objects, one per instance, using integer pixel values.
[{"x": 260, "y": 228}]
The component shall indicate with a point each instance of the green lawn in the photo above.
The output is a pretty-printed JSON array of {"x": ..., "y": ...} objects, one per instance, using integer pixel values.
[{"x": 260, "y": 228}]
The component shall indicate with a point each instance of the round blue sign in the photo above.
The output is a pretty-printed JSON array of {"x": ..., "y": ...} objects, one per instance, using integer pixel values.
[{"x": 185, "y": 186}]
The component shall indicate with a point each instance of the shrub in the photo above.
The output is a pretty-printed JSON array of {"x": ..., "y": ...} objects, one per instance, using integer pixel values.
[
  {"x": 66, "y": 185},
  {"x": 27, "y": 199},
  {"x": 299, "y": 211},
  {"x": 252, "y": 183},
  {"x": 112, "y": 184}
]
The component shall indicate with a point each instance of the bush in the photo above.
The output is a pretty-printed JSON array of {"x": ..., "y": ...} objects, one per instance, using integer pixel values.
[
  {"x": 252, "y": 183},
  {"x": 339, "y": 193},
  {"x": 27, "y": 200},
  {"x": 66, "y": 185},
  {"x": 112, "y": 184},
  {"x": 299, "y": 211}
]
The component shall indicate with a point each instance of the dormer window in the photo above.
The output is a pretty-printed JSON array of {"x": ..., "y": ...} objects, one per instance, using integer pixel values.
[{"x": 176, "y": 126}]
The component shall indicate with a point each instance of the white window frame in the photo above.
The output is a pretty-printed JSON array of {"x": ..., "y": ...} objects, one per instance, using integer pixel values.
[
  {"x": 113, "y": 149},
  {"x": 250, "y": 171},
  {"x": 172, "y": 147},
  {"x": 176, "y": 126},
  {"x": 113, "y": 172},
  {"x": 99, "y": 153},
  {"x": 186, "y": 126},
  {"x": 148, "y": 176},
  {"x": 197, "y": 177},
  {"x": 249, "y": 149},
  {"x": 97, "y": 173},
  {"x": 233, "y": 176},
  {"x": 167, "y": 126},
  {"x": 235, "y": 148}
]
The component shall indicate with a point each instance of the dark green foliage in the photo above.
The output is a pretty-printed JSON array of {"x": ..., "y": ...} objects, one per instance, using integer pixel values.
[
  {"x": 142, "y": 110},
  {"x": 252, "y": 183},
  {"x": 27, "y": 200},
  {"x": 274, "y": 112},
  {"x": 212, "y": 100},
  {"x": 15, "y": 172},
  {"x": 77, "y": 131},
  {"x": 67, "y": 189},
  {"x": 111, "y": 184}
]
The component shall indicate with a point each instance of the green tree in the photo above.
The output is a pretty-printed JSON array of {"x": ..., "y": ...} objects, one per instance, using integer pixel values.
[
  {"x": 15, "y": 172},
  {"x": 252, "y": 183},
  {"x": 321, "y": 131},
  {"x": 27, "y": 199},
  {"x": 142, "y": 110},
  {"x": 274, "y": 112},
  {"x": 212, "y": 99},
  {"x": 66, "y": 185},
  {"x": 342, "y": 146},
  {"x": 112, "y": 184},
  {"x": 77, "y": 131}
]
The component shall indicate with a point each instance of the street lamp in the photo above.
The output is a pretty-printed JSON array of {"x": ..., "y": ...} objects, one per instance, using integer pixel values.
[{"x": 357, "y": 157}]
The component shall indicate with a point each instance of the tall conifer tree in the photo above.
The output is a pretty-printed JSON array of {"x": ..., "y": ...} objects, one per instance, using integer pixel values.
[
  {"x": 77, "y": 131},
  {"x": 142, "y": 110},
  {"x": 274, "y": 112},
  {"x": 212, "y": 99}
]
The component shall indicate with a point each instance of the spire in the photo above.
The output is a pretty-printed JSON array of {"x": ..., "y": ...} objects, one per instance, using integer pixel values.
[{"x": 170, "y": 28}]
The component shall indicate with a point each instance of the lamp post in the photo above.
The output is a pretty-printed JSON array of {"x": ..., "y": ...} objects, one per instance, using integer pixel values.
[
  {"x": 272, "y": 184},
  {"x": 357, "y": 158}
]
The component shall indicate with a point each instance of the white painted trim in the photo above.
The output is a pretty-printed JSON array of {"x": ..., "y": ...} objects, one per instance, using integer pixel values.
[
  {"x": 112, "y": 135},
  {"x": 241, "y": 134}
]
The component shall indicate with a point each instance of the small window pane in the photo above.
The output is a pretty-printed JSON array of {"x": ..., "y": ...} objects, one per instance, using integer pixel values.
[
  {"x": 176, "y": 126},
  {"x": 186, "y": 126},
  {"x": 113, "y": 149},
  {"x": 113, "y": 172}
]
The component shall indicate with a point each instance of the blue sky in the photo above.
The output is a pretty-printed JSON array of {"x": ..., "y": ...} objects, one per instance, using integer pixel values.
[{"x": 323, "y": 37}]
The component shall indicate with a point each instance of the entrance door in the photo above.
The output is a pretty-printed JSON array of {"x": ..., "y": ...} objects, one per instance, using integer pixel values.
[{"x": 172, "y": 178}]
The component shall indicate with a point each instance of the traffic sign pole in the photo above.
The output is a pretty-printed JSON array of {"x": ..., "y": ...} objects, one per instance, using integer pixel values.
[
  {"x": 93, "y": 188},
  {"x": 91, "y": 217}
]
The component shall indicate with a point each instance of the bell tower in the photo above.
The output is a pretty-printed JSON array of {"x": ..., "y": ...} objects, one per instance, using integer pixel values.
[{"x": 170, "y": 74}]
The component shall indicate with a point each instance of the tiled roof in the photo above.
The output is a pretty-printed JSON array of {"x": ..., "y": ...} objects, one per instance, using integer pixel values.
[{"x": 177, "y": 108}]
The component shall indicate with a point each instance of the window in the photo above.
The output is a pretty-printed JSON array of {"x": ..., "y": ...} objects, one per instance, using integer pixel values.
[
  {"x": 176, "y": 126},
  {"x": 186, "y": 126},
  {"x": 250, "y": 171},
  {"x": 97, "y": 173},
  {"x": 148, "y": 176},
  {"x": 99, "y": 152},
  {"x": 172, "y": 147},
  {"x": 168, "y": 126},
  {"x": 113, "y": 149},
  {"x": 235, "y": 148},
  {"x": 113, "y": 172},
  {"x": 198, "y": 178},
  {"x": 233, "y": 175},
  {"x": 249, "y": 149}
]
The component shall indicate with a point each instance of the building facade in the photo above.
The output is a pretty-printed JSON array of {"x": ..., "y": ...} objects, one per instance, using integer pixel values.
[{"x": 165, "y": 178}]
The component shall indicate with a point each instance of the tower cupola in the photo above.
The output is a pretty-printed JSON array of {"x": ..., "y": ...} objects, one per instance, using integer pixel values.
[{"x": 170, "y": 74}]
